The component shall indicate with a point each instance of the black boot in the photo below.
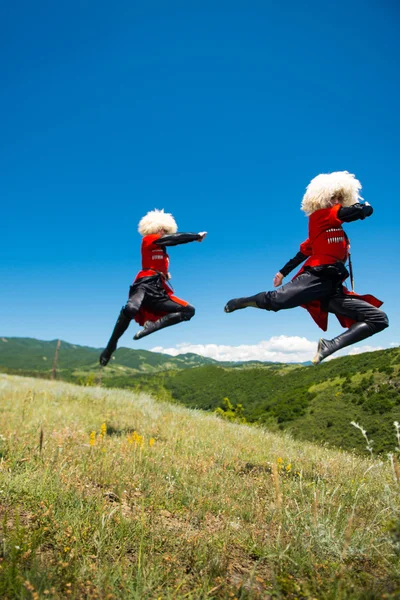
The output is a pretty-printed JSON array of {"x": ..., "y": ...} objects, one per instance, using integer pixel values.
[
  {"x": 166, "y": 321},
  {"x": 356, "y": 333},
  {"x": 256, "y": 301},
  {"x": 121, "y": 326}
]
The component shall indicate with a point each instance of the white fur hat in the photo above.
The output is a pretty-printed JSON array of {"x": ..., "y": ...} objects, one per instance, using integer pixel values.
[
  {"x": 155, "y": 220},
  {"x": 323, "y": 188}
]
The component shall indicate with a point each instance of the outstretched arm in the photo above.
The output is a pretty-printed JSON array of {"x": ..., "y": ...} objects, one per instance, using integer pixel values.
[
  {"x": 347, "y": 214},
  {"x": 174, "y": 239}
]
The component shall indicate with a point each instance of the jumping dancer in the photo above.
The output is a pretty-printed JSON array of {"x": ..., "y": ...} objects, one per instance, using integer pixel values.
[
  {"x": 151, "y": 301},
  {"x": 330, "y": 200}
]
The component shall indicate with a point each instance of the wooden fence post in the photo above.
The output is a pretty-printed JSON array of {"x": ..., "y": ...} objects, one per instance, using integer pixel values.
[{"x": 54, "y": 371}]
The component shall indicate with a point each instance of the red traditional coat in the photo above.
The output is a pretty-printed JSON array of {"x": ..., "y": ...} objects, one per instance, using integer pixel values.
[
  {"x": 155, "y": 261},
  {"x": 327, "y": 244}
]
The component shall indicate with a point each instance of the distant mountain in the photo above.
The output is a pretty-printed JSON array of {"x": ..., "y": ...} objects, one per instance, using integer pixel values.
[
  {"x": 37, "y": 355},
  {"x": 30, "y": 354}
]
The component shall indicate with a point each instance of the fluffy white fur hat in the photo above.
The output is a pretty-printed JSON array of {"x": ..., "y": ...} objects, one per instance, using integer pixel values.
[
  {"x": 322, "y": 189},
  {"x": 155, "y": 220}
]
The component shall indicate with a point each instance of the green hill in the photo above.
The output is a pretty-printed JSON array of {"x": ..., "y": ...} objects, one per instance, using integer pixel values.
[{"x": 28, "y": 354}]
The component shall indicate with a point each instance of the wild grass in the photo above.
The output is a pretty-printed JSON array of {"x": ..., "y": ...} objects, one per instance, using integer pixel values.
[{"x": 107, "y": 494}]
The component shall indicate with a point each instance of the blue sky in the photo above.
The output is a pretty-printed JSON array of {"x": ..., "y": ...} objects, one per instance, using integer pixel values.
[{"x": 219, "y": 112}]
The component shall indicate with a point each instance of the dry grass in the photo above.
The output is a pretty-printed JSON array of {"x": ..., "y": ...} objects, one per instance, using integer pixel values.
[{"x": 164, "y": 502}]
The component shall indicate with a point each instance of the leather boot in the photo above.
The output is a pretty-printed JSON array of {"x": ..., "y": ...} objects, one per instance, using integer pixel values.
[
  {"x": 356, "y": 333},
  {"x": 166, "y": 321},
  {"x": 121, "y": 326},
  {"x": 256, "y": 301}
]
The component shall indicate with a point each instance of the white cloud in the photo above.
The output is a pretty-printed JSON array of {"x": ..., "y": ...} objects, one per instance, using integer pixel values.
[
  {"x": 280, "y": 348},
  {"x": 361, "y": 349}
]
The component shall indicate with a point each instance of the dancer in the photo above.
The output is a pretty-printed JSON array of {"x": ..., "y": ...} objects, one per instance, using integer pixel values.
[
  {"x": 151, "y": 301},
  {"x": 330, "y": 200}
]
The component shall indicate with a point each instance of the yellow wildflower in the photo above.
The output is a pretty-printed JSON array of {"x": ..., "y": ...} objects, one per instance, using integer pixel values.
[
  {"x": 92, "y": 441},
  {"x": 151, "y": 442},
  {"x": 103, "y": 430},
  {"x": 136, "y": 439}
]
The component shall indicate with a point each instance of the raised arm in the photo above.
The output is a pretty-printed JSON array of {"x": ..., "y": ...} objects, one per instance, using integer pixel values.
[
  {"x": 356, "y": 212},
  {"x": 174, "y": 239}
]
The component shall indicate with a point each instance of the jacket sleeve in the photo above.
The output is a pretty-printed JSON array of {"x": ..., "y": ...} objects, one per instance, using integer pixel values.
[
  {"x": 358, "y": 211},
  {"x": 293, "y": 263},
  {"x": 174, "y": 239}
]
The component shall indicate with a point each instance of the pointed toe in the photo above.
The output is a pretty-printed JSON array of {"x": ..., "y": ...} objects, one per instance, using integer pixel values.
[
  {"x": 104, "y": 357},
  {"x": 226, "y": 308},
  {"x": 322, "y": 352},
  {"x": 232, "y": 305}
]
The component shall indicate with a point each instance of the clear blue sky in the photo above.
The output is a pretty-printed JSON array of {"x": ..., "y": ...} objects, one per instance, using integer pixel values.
[{"x": 219, "y": 112}]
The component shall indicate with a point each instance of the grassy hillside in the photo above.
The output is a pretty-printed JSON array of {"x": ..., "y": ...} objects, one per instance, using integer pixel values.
[
  {"x": 107, "y": 494},
  {"x": 313, "y": 403}
]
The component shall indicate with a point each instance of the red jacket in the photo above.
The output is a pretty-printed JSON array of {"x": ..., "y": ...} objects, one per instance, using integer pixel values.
[
  {"x": 327, "y": 244},
  {"x": 154, "y": 257},
  {"x": 154, "y": 260}
]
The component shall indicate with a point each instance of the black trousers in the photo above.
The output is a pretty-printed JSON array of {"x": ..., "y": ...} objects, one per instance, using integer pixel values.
[
  {"x": 324, "y": 285},
  {"x": 150, "y": 294}
]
